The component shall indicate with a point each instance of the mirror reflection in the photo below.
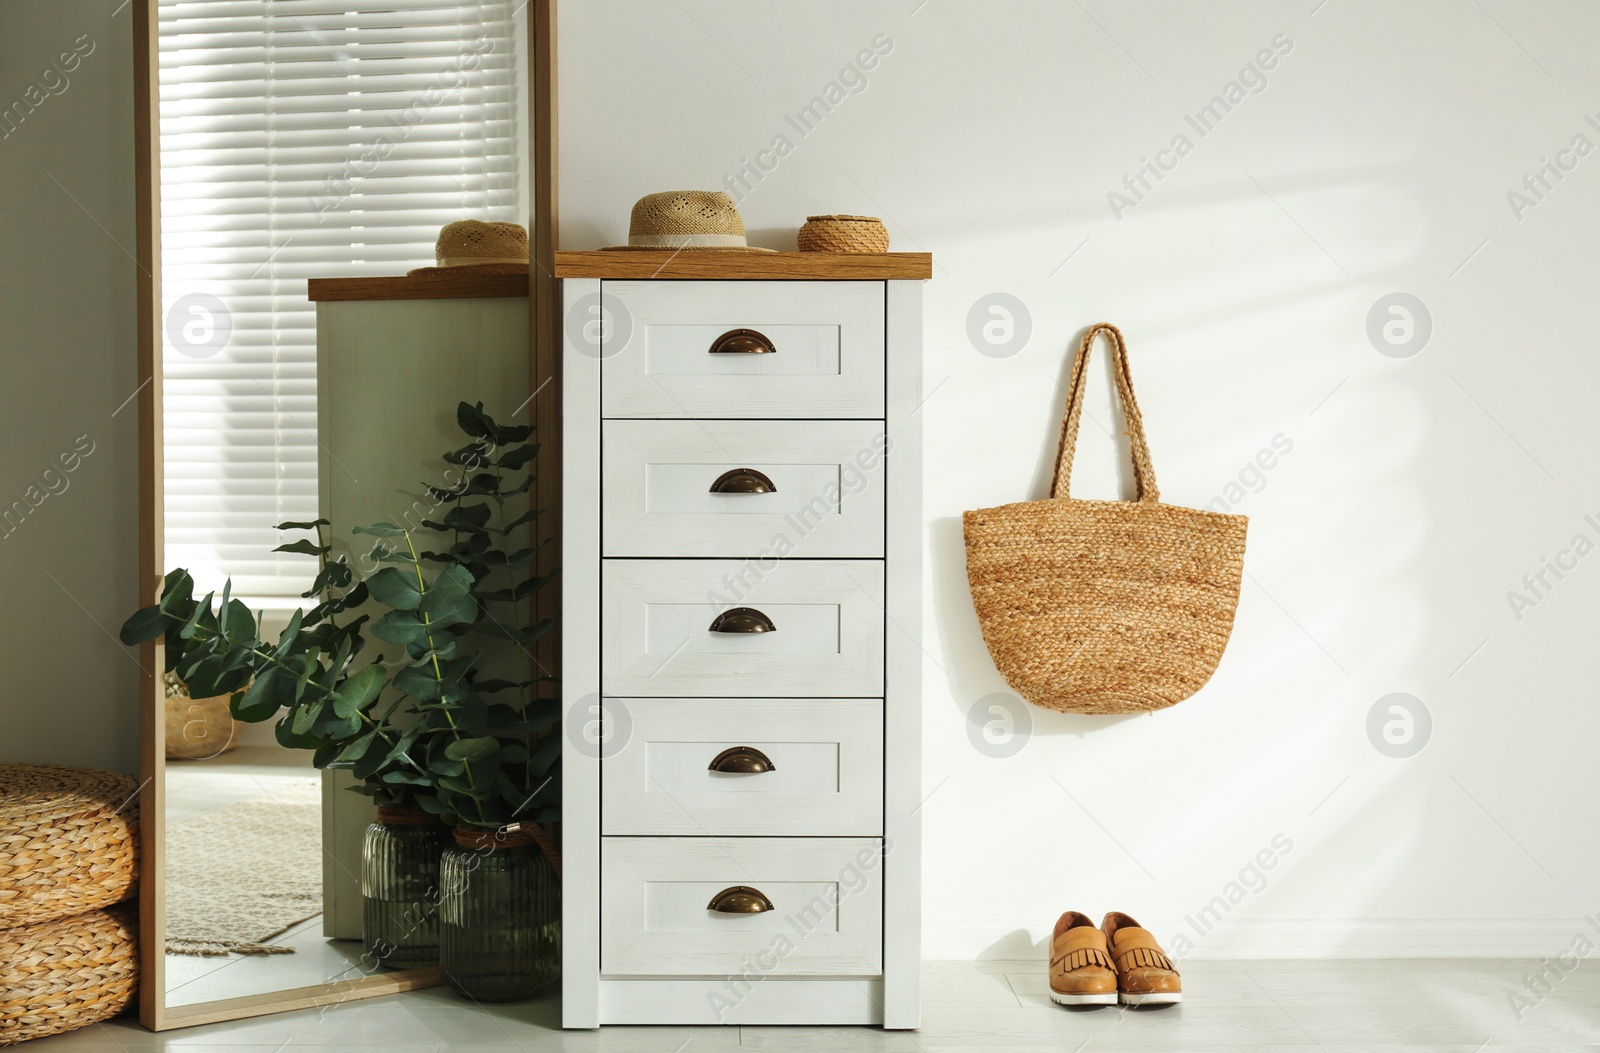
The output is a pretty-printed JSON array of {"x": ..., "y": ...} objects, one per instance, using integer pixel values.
[{"x": 300, "y": 143}]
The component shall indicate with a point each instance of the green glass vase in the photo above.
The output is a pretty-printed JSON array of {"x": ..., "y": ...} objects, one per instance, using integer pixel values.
[
  {"x": 499, "y": 917},
  {"x": 400, "y": 889}
]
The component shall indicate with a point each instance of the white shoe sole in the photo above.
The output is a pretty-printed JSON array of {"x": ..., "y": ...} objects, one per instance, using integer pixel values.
[
  {"x": 1082, "y": 999},
  {"x": 1154, "y": 998}
]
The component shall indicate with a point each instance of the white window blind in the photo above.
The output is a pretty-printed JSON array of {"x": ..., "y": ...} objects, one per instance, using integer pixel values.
[{"x": 303, "y": 139}]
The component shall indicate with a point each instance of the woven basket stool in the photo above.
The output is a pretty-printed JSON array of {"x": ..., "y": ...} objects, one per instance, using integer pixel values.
[
  {"x": 68, "y": 841},
  {"x": 69, "y": 973},
  {"x": 862, "y": 234}
]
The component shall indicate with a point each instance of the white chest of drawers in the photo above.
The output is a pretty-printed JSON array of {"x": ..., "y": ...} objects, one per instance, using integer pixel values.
[{"x": 742, "y": 565}]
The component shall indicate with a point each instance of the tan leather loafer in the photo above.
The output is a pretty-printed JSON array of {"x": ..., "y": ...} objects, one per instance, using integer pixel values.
[
  {"x": 1145, "y": 975},
  {"x": 1081, "y": 972}
]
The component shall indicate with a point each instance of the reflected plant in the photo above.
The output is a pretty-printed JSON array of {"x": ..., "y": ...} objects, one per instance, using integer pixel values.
[{"x": 425, "y": 729}]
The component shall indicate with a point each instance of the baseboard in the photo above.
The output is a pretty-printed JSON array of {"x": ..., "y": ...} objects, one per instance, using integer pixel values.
[{"x": 1191, "y": 938}]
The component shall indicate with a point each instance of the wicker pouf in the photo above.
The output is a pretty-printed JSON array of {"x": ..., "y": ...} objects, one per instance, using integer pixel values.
[
  {"x": 68, "y": 841},
  {"x": 59, "y": 975}
]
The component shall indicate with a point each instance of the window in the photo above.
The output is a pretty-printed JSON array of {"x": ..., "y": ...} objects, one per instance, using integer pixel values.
[{"x": 303, "y": 139}]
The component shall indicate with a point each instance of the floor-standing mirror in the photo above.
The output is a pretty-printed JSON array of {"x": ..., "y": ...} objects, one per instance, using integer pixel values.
[{"x": 282, "y": 144}]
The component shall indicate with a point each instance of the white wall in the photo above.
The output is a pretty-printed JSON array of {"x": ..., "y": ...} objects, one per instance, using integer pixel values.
[
  {"x": 1418, "y": 490},
  {"x": 68, "y": 567}
]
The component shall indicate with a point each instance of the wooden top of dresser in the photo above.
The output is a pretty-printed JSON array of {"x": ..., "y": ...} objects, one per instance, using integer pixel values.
[
  {"x": 419, "y": 287},
  {"x": 745, "y": 266}
]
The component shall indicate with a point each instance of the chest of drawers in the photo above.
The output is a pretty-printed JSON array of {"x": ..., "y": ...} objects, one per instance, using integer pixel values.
[{"x": 742, "y": 565}]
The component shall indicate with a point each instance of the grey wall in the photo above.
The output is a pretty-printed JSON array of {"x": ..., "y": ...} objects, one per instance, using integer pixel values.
[{"x": 67, "y": 361}]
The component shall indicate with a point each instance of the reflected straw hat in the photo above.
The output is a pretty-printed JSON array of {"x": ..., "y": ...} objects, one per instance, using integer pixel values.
[
  {"x": 482, "y": 248},
  {"x": 687, "y": 219}
]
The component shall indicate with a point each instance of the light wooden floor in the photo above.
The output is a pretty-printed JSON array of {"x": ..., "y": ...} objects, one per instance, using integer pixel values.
[{"x": 1459, "y": 1006}]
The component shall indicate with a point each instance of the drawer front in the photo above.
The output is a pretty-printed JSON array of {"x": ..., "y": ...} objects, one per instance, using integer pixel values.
[
  {"x": 656, "y": 341},
  {"x": 825, "y": 760},
  {"x": 657, "y": 638},
  {"x": 826, "y": 896},
  {"x": 662, "y": 498}
]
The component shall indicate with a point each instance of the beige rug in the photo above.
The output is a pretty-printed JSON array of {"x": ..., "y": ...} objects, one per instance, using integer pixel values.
[{"x": 240, "y": 875}]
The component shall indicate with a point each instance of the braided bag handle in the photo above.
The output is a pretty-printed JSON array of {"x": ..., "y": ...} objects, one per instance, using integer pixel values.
[{"x": 1144, "y": 473}]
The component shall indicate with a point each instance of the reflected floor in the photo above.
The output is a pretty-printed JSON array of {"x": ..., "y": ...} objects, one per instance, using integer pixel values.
[
  {"x": 197, "y": 787},
  {"x": 317, "y": 960}
]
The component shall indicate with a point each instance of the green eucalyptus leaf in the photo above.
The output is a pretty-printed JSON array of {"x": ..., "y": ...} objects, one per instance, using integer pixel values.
[
  {"x": 467, "y": 517},
  {"x": 379, "y": 530},
  {"x": 449, "y": 599},
  {"x": 306, "y": 716},
  {"x": 440, "y": 764},
  {"x": 241, "y": 621},
  {"x": 473, "y": 749},
  {"x": 474, "y": 421},
  {"x": 507, "y": 434},
  {"x": 418, "y": 681},
  {"x": 490, "y": 687},
  {"x": 287, "y": 637},
  {"x": 146, "y": 624},
  {"x": 358, "y": 690},
  {"x": 310, "y": 524},
  {"x": 513, "y": 459},
  {"x": 526, "y": 517},
  {"x": 521, "y": 488},
  {"x": 442, "y": 651},
  {"x": 202, "y": 679},
  {"x": 255, "y": 703},
  {"x": 395, "y": 588},
  {"x": 545, "y": 753},
  {"x": 287, "y": 736},
  {"x": 308, "y": 669},
  {"x": 303, "y": 547},
  {"x": 177, "y": 590},
  {"x": 401, "y": 627},
  {"x": 196, "y": 620},
  {"x": 471, "y": 455}
]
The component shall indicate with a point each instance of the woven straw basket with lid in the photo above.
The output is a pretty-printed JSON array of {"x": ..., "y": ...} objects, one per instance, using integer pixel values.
[
  {"x": 1104, "y": 606},
  {"x": 853, "y": 234}
]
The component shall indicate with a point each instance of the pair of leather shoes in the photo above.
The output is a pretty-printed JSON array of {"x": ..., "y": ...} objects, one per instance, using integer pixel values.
[{"x": 1119, "y": 961}]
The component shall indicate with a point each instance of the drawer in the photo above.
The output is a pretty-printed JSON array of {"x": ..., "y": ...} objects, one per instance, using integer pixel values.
[
  {"x": 656, "y": 357},
  {"x": 824, "y": 759},
  {"x": 664, "y": 493},
  {"x": 825, "y": 916},
  {"x": 826, "y": 619}
]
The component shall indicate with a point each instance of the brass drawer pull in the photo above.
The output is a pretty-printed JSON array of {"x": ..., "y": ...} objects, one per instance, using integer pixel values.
[
  {"x": 743, "y": 481},
  {"x": 744, "y": 759},
  {"x": 742, "y": 620},
  {"x": 739, "y": 900},
  {"x": 742, "y": 342}
]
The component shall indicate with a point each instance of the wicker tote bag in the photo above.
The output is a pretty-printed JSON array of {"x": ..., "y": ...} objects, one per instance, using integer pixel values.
[{"x": 1104, "y": 606}]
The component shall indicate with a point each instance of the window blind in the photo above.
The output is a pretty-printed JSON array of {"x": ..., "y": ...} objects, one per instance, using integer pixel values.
[{"x": 302, "y": 139}]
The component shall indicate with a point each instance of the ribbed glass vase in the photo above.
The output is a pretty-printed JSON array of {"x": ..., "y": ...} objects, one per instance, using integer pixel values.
[
  {"x": 500, "y": 916},
  {"x": 400, "y": 887}
]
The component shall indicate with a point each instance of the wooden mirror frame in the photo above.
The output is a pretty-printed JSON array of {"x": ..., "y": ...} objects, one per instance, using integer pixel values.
[{"x": 544, "y": 330}]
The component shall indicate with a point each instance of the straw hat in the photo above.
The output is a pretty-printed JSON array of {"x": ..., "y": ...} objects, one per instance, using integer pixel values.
[
  {"x": 687, "y": 219},
  {"x": 486, "y": 248}
]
